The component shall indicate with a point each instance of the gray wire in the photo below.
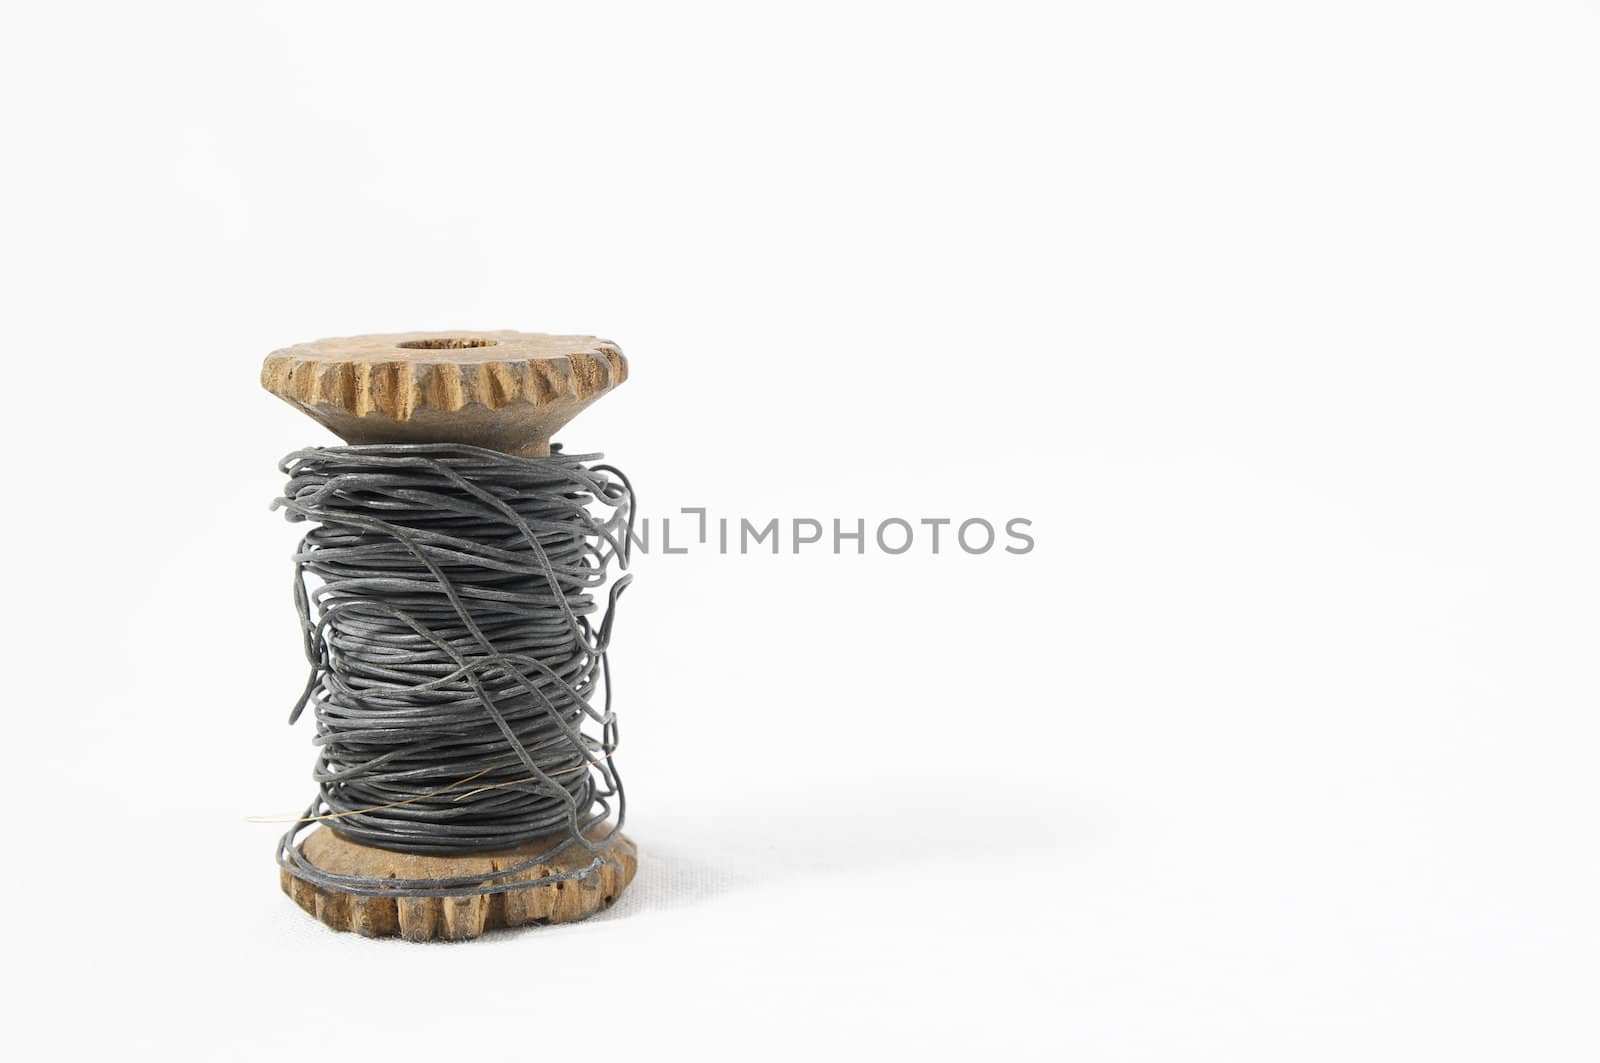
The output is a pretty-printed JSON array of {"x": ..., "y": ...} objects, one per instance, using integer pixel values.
[{"x": 445, "y": 594}]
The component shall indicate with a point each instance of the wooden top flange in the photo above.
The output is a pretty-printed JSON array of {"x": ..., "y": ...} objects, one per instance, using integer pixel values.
[{"x": 508, "y": 391}]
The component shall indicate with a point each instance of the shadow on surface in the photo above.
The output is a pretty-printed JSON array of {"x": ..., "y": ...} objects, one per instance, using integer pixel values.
[{"x": 701, "y": 853}]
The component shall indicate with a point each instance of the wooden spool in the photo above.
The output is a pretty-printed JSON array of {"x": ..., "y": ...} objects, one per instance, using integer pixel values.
[{"x": 506, "y": 391}]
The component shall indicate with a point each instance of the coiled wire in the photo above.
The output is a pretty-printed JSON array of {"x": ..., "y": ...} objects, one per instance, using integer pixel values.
[{"x": 446, "y": 595}]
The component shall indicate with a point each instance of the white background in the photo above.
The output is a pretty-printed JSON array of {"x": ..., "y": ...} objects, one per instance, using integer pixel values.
[{"x": 1278, "y": 320}]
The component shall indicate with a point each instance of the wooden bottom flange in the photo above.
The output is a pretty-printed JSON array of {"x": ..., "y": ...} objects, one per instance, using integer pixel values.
[{"x": 458, "y": 918}]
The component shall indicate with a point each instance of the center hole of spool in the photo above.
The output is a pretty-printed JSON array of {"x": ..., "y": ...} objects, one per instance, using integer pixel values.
[{"x": 446, "y": 343}]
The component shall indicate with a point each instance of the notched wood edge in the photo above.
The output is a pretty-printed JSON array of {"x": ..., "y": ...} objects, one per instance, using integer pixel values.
[
  {"x": 398, "y": 390},
  {"x": 466, "y": 917}
]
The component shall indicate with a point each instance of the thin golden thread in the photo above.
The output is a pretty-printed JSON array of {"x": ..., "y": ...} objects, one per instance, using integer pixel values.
[{"x": 374, "y": 808}]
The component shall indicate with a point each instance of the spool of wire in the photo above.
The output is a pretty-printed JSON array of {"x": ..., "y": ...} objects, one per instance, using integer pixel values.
[{"x": 457, "y": 604}]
